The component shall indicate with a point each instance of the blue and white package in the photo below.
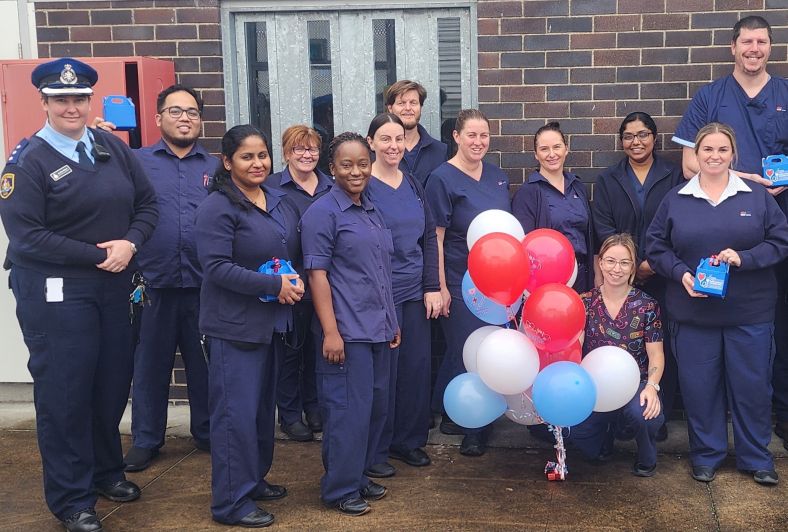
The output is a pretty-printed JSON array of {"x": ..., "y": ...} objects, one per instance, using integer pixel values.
[
  {"x": 276, "y": 267},
  {"x": 711, "y": 280},
  {"x": 775, "y": 169}
]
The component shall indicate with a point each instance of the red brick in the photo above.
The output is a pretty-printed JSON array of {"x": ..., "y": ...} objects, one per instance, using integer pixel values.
[
  {"x": 500, "y": 77},
  {"x": 641, "y": 6},
  {"x": 213, "y": 113},
  {"x": 592, "y": 108},
  {"x": 606, "y": 125},
  {"x": 187, "y": 64},
  {"x": 730, "y": 5},
  {"x": 111, "y": 16},
  {"x": 43, "y": 50},
  {"x": 213, "y": 97},
  {"x": 113, "y": 49},
  {"x": 132, "y": 33},
  {"x": 155, "y": 48},
  {"x": 546, "y": 110},
  {"x": 616, "y": 57},
  {"x": 489, "y": 94},
  {"x": 70, "y": 49},
  {"x": 674, "y": 6},
  {"x": 187, "y": 48},
  {"x": 710, "y": 55},
  {"x": 209, "y": 14},
  {"x": 154, "y": 16},
  {"x": 488, "y": 26},
  {"x": 210, "y": 32},
  {"x": 176, "y": 31},
  {"x": 617, "y": 23},
  {"x": 509, "y": 143},
  {"x": 499, "y": 9},
  {"x": 91, "y": 33},
  {"x": 521, "y": 26},
  {"x": 523, "y": 94},
  {"x": 665, "y": 22},
  {"x": 211, "y": 64},
  {"x": 69, "y": 18},
  {"x": 52, "y": 34},
  {"x": 203, "y": 79},
  {"x": 592, "y": 40},
  {"x": 687, "y": 72}
]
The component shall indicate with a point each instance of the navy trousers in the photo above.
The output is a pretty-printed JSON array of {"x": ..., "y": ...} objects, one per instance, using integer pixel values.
[
  {"x": 353, "y": 398},
  {"x": 170, "y": 322},
  {"x": 456, "y": 329},
  {"x": 296, "y": 390},
  {"x": 780, "y": 370},
  {"x": 735, "y": 361},
  {"x": 81, "y": 356},
  {"x": 408, "y": 420},
  {"x": 589, "y": 436},
  {"x": 241, "y": 393}
]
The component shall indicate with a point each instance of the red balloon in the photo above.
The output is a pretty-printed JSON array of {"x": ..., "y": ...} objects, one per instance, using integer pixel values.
[
  {"x": 573, "y": 353},
  {"x": 498, "y": 267},
  {"x": 551, "y": 256},
  {"x": 553, "y": 317}
]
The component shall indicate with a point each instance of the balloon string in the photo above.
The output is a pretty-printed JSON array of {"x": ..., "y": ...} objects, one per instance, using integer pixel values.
[{"x": 557, "y": 470}]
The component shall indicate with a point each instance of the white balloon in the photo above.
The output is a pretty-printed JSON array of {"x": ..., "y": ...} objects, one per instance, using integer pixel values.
[
  {"x": 507, "y": 362},
  {"x": 520, "y": 409},
  {"x": 493, "y": 221},
  {"x": 472, "y": 343},
  {"x": 615, "y": 374},
  {"x": 573, "y": 278}
]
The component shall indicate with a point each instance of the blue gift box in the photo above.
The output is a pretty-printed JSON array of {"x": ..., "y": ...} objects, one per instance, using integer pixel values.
[
  {"x": 711, "y": 280},
  {"x": 775, "y": 169},
  {"x": 276, "y": 267},
  {"x": 120, "y": 111}
]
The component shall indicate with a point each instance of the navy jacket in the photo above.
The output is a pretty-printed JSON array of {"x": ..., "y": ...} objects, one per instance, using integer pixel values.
[
  {"x": 530, "y": 204},
  {"x": 430, "y": 154},
  {"x": 686, "y": 229},
  {"x": 617, "y": 210},
  {"x": 55, "y": 211},
  {"x": 429, "y": 241},
  {"x": 232, "y": 243}
]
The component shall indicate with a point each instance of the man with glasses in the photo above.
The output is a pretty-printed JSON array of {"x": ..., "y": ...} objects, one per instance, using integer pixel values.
[
  {"x": 179, "y": 169},
  {"x": 755, "y": 104}
]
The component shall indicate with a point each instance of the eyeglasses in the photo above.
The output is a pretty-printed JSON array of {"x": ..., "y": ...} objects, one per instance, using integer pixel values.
[
  {"x": 175, "y": 112},
  {"x": 629, "y": 137},
  {"x": 300, "y": 150},
  {"x": 610, "y": 263}
]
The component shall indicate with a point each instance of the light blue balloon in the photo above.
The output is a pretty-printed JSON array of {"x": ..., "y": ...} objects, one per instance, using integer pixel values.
[
  {"x": 470, "y": 403},
  {"x": 482, "y": 306},
  {"x": 564, "y": 394}
]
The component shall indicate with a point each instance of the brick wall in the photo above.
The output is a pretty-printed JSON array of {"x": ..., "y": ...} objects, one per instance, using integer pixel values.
[
  {"x": 588, "y": 63},
  {"x": 184, "y": 31}
]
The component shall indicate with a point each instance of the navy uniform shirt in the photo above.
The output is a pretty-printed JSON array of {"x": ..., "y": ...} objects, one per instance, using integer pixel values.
[
  {"x": 232, "y": 243},
  {"x": 169, "y": 259},
  {"x": 55, "y": 210},
  {"x": 298, "y": 196},
  {"x": 403, "y": 211},
  {"x": 426, "y": 156},
  {"x": 760, "y": 123},
  {"x": 455, "y": 199},
  {"x": 353, "y": 245}
]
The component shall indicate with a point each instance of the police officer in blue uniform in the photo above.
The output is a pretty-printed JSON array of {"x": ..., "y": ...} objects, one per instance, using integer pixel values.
[
  {"x": 179, "y": 169},
  {"x": 347, "y": 253},
  {"x": 457, "y": 191},
  {"x": 76, "y": 205},
  {"x": 242, "y": 225},
  {"x": 755, "y": 104},
  {"x": 296, "y": 393},
  {"x": 416, "y": 289}
]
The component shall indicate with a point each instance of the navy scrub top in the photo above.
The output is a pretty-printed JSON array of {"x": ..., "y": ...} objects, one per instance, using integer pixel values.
[
  {"x": 353, "y": 245},
  {"x": 456, "y": 199},
  {"x": 403, "y": 212}
]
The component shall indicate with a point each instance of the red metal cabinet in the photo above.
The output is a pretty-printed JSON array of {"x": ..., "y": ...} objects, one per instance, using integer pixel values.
[{"x": 140, "y": 78}]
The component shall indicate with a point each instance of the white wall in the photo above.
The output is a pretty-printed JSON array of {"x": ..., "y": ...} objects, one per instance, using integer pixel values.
[{"x": 19, "y": 41}]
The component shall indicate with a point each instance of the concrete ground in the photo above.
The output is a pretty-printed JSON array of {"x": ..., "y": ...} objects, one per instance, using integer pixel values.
[{"x": 504, "y": 490}]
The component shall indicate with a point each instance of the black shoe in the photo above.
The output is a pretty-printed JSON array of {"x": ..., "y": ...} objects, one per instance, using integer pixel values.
[
  {"x": 314, "y": 420},
  {"x": 297, "y": 431},
  {"x": 383, "y": 470},
  {"x": 257, "y": 519},
  {"x": 373, "y": 491},
  {"x": 120, "y": 491},
  {"x": 201, "y": 445},
  {"x": 271, "y": 493},
  {"x": 353, "y": 506},
  {"x": 781, "y": 430},
  {"x": 766, "y": 478},
  {"x": 473, "y": 445},
  {"x": 662, "y": 433},
  {"x": 138, "y": 459},
  {"x": 449, "y": 427},
  {"x": 639, "y": 470},
  {"x": 412, "y": 457},
  {"x": 703, "y": 473},
  {"x": 84, "y": 521}
]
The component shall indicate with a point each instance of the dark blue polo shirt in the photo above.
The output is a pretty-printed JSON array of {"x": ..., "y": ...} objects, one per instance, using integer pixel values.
[
  {"x": 456, "y": 198},
  {"x": 169, "y": 258},
  {"x": 298, "y": 196},
  {"x": 426, "y": 156},
  {"x": 354, "y": 246},
  {"x": 760, "y": 123},
  {"x": 403, "y": 212}
]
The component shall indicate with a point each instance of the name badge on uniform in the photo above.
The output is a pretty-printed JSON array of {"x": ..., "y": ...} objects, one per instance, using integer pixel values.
[{"x": 61, "y": 172}]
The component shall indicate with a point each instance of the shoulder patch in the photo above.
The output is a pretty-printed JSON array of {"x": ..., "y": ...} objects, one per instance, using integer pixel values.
[
  {"x": 17, "y": 151},
  {"x": 6, "y": 186}
]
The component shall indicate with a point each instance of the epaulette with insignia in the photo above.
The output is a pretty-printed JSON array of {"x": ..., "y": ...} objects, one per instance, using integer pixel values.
[{"x": 17, "y": 151}]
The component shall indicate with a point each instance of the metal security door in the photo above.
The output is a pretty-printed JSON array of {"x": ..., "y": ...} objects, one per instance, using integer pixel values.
[{"x": 329, "y": 68}]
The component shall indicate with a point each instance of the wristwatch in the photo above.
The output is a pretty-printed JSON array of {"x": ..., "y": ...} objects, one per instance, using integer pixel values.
[
  {"x": 134, "y": 252},
  {"x": 654, "y": 384}
]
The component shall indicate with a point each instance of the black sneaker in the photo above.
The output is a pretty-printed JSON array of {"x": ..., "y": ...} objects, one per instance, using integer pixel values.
[
  {"x": 639, "y": 470},
  {"x": 766, "y": 478},
  {"x": 138, "y": 458},
  {"x": 297, "y": 431}
]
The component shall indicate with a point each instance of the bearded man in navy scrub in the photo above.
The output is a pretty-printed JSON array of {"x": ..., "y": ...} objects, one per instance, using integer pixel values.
[{"x": 755, "y": 104}]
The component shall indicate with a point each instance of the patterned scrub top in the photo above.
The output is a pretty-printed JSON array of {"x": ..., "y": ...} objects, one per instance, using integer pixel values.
[{"x": 638, "y": 322}]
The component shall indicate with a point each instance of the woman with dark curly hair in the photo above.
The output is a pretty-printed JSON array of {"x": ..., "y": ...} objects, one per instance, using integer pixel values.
[
  {"x": 240, "y": 226},
  {"x": 347, "y": 253}
]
